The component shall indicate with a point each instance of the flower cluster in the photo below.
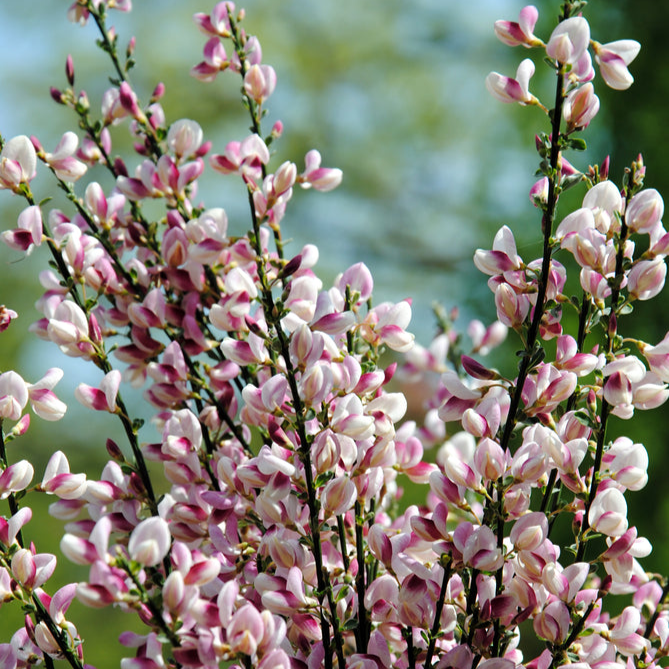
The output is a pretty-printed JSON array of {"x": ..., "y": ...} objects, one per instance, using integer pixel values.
[{"x": 278, "y": 538}]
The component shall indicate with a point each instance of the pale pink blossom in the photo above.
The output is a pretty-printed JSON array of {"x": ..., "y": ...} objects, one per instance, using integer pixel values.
[
  {"x": 31, "y": 570},
  {"x": 516, "y": 33},
  {"x": 62, "y": 160},
  {"x": 485, "y": 339},
  {"x": 184, "y": 138},
  {"x": 42, "y": 398},
  {"x": 9, "y": 529},
  {"x": 646, "y": 278},
  {"x": 15, "y": 477},
  {"x": 28, "y": 234},
  {"x": 68, "y": 328},
  {"x": 92, "y": 154},
  {"x": 104, "y": 210},
  {"x": 59, "y": 481},
  {"x": 657, "y": 357},
  {"x": 512, "y": 307},
  {"x": 13, "y": 395},
  {"x": 259, "y": 82},
  {"x": 150, "y": 541},
  {"x": 18, "y": 162},
  {"x": 245, "y": 630},
  {"x": 594, "y": 284},
  {"x": 79, "y": 13},
  {"x": 553, "y": 622},
  {"x": 650, "y": 392},
  {"x": 338, "y": 496},
  {"x": 529, "y": 531},
  {"x": 456, "y": 456},
  {"x": 608, "y": 512},
  {"x": 565, "y": 583},
  {"x": 628, "y": 463},
  {"x": 314, "y": 176},
  {"x": 215, "y": 61},
  {"x": 644, "y": 211},
  {"x": 581, "y": 106},
  {"x": 489, "y": 459},
  {"x": 478, "y": 546},
  {"x": 569, "y": 41},
  {"x": 358, "y": 279},
  {"x": 6, "y": 317},
  {"x": 506, "y": 89},
  {"x": 539, "y": 192},
  {"x": 245, "y": 158},
  {"x": 613, "y": 59},
  {"x": 386, "y": 324},
  {"x": 605, "y": 201},
  {"x": 218, "y": 22},
  {"x": 624, "y": 633},
  {"x": 567, "y": 357},
  {"x": 102, "y": 398},
  {"x": 502, "y": 258}
]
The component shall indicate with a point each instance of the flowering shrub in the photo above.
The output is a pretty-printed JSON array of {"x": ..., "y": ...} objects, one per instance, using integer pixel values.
[{"x": 276, "y": 536}]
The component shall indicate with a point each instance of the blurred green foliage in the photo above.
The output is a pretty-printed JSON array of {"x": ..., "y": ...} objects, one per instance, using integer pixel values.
[{"x": 392, "y": 93}]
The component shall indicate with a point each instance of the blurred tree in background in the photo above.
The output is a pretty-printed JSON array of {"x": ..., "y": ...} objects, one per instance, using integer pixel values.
[{"x": 392, "y": 93}]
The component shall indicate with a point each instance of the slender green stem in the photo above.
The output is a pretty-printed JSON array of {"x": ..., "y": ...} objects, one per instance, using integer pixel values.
[
  {"x": 256, "y": 111},
  {"x": 342, "y": 542},
  {"x": 411, "y": 652},
  {"x": 363, "y": 623},
  {"x": 547, "y": 228},
  {"x": 437, "y": 613},
  {"x": 472, "y": 609},
  {"x": 11, "y": 500},
  {"x": 106, "y": 42}
]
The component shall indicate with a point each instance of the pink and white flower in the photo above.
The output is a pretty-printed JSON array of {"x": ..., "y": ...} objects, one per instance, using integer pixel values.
[
  {"x": 506, "y": 89},
  {"x": 516, "y": 33},
  {"x": 18, "y": 162},
  {"x": 613, "y": 59}
]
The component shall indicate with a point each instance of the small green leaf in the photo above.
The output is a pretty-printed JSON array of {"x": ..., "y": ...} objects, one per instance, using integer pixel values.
[
  {"x": 578, "y": 144},
  {"x": 350, "y": 624}
]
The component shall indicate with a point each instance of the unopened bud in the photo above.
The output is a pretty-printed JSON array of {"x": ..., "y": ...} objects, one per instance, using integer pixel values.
[
  {"x": 36, "y": 143},
  {"x": 69, "y": 70},
  {"x": 136, "y": 485},
  {"x": 613, "y": 325},
  {"x": 291, "y": 266},
  {"x": 94, "y": 331},
  {"x": 277, "y": 130},
  {"x": 82, "y": 101},
  {"x": 158, "y": 92},
  {"x": 120, "y": 168},
  {"x": 604, "y": 168},
  {"x": 21, "y": 427},
  {"x": 114, "y": 451},
  {"x": 604, "y": 588},
  {"x": 57, "y": 95}
]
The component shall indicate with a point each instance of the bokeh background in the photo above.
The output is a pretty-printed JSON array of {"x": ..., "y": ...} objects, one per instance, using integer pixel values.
[{"x": 391, "y": 92}]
